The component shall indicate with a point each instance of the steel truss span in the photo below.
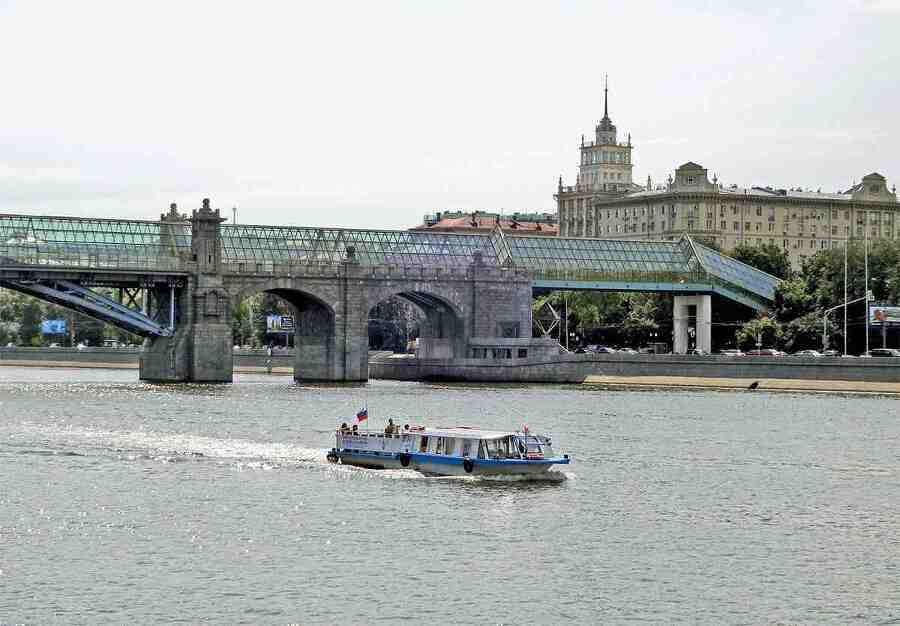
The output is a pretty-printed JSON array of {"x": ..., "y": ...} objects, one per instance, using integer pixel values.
[{"x": 73, "y": 296}]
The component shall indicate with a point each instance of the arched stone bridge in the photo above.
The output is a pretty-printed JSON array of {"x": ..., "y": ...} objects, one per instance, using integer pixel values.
[{"x": 184, "y": 276}]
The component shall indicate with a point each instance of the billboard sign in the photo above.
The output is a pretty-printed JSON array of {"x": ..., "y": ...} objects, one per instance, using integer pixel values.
[
  {"x": 879, "y": 313},
  {"x": 53, "y": 327},
  {"x": 280, "y": 323}
]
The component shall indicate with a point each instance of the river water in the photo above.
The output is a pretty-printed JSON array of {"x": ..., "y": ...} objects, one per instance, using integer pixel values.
[{"x": 122, "y": 502}]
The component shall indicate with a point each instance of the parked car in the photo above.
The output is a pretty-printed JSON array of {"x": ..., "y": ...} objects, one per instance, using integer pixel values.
[
  {"x": 831, "y": 352},
  {"x": 765, "y": 352},
  {"x": 808, "y": 353},
  {"x": 601, "y": 349},
  {"x": 731, "y": 352},
  {"x": 628, "y": 350},
  {"x": 697, "y": 351},
  {"x": 882, "y": 352}
]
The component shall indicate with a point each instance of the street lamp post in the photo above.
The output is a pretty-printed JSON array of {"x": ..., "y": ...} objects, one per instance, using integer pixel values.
[
  {"x": 866, "y": 286},
  {"x": 825, "y": 323}
]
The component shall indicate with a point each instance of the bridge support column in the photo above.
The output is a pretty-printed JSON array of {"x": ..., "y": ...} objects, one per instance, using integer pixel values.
[
  {"x": 166, "y": 359},
  {"x": 692, "y": 323},
  {"x": 314, "y": 344},
  {"x": 200, "y": 349}
]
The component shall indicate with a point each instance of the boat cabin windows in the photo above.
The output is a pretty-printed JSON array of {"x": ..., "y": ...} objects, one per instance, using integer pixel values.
[
  {"x": 496, "y": 448},
  {"x": 423, "y": 443},
  {"x": 530, "y": 448},
  {"x": 466, "y": 447},
  {"x": 444, "y": 445}
]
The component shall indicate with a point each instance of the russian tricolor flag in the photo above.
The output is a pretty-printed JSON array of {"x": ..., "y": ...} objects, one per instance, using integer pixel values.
[{"x": 362, "y": 415}]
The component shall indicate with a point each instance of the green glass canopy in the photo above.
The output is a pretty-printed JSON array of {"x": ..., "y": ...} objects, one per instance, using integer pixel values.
[{"x": 553, "y": 262}]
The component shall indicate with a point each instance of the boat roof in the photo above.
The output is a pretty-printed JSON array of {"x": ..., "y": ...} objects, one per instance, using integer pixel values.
[{"x": 465, "y": 432}]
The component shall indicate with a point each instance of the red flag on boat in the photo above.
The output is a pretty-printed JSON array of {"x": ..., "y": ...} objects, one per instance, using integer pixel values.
[{"x": 362, "y": 415}]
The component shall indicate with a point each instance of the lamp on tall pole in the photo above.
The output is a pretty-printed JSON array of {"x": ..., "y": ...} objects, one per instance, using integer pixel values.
[
  {"x": 866, "y": 286},
  {"x": 846, "y": 245}
]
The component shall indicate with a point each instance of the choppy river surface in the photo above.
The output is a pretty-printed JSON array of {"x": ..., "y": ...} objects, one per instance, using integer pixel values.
[{"x": 129, "y": 503}]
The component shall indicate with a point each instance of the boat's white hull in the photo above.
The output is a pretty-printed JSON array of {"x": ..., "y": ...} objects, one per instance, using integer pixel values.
[{"x": 446, "y": 466}]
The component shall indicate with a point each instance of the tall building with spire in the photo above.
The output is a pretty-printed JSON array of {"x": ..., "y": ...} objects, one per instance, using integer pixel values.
[{"x": 604, "y": 173}]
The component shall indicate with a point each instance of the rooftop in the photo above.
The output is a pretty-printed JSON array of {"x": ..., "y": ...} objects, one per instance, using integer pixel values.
[{"x": 458, "y": 221}]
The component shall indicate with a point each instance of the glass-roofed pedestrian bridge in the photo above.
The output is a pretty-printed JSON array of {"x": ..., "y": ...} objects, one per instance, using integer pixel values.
[{"x": 554, "y": 263}]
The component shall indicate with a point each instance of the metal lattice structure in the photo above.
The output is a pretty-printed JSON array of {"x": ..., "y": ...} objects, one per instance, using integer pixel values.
[
  {"x": 299, "y": 245},
  {"x": 92, "y": 243},
  {"x": 604, "y": 259},
  {"x": 553, "y": 262},
  {"x": 611, "y": 264}
]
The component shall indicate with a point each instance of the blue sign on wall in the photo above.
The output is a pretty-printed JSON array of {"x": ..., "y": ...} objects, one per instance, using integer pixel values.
[{"x": 53, "y": 327}]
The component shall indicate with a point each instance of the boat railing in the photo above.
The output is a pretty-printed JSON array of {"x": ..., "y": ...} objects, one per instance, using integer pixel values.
[{"x": 375, "y": 433}]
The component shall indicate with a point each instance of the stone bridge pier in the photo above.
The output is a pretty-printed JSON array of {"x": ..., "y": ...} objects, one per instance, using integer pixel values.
[{"x": 197, "y": 309}]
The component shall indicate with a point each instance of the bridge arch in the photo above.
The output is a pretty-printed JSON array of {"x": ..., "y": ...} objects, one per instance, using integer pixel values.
[
  {"x": 315, "y": 337},
  {"x": 442, "y": 325}
]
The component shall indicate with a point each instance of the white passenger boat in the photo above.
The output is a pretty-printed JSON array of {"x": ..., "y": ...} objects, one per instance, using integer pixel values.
[{"x": 458, "y": 451}]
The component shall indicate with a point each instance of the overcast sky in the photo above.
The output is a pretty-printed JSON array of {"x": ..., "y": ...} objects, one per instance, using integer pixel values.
[{"x": 370, "y": 114}]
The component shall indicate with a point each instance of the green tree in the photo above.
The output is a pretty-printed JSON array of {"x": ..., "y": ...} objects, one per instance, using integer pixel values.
[
  {"x": 801, "y": 301},
  {"x": 768, "y": 258},
  {"x": 803, "y": 333},
  {"x": 640, "y": 322},
  {"x": 393, "y": 323},
  {"x": 593, "y": 316},
  {"x": 242, "y": 326},
  {"x": 30, "y": 327},
  {"x": 762, "y": 331}
]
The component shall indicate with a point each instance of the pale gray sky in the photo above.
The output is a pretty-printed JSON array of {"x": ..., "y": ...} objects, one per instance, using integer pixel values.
[{"x": 370, "y": 114}]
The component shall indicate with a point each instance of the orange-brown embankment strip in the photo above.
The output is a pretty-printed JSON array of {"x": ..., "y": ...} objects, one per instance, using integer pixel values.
[{"x": 764, "y": 384}]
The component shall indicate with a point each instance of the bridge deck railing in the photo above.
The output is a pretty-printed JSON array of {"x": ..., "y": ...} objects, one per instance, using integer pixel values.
[
  {"x": 590, "y": 275},
  {"x": 112, "y": 259},
  {"x": 383, "y": 272}
]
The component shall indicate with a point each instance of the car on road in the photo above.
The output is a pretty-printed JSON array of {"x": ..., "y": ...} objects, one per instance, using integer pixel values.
[
  {"x": 628, "y": 350},
  {"x": 882, "y": 352},
  {"x": 601, "y": 349},
  {"x": 765, "y": 352},
  {"x": 731, "y": 352},
  {"x": 831, "y": 352},
  {"x": 808, "y": 353},
  {"x": 697, "y": 351}
]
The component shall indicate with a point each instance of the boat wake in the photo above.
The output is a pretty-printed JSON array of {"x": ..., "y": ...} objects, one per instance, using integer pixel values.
[{"x": 169, "y": 447}]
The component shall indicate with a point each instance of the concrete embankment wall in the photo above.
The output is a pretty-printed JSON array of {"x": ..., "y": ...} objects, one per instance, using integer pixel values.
[
  {"x": 575, "y": 368},
  {"x": 568, "y": 368},
  {"x": 126, "y": 358}
]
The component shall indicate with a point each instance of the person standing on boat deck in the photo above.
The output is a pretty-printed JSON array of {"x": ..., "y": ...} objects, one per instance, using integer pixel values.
[
  {"x": 390, "y": 429},
  {"x": 355, "y": 430},
  {"x": 345, "y": 430}
]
